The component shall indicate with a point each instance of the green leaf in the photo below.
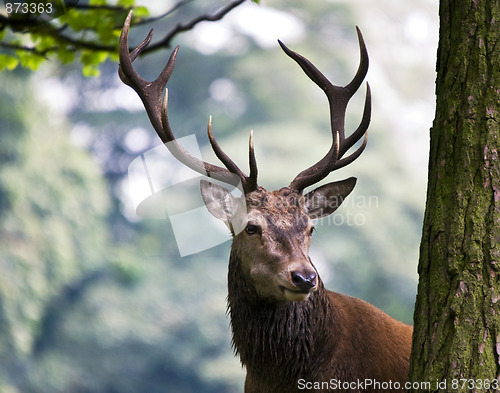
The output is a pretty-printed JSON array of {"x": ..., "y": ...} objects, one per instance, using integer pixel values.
[
  {"x": 141, "y": 12},
  {"x": 90, "y": 70},
  {"x": 65, "y": 56},
  {"x": 126, "y": 3},
  {"x": 114, "y": 57},
  {"x": 77, "y": 20},
  {"x": 43, "y": 42},
  {"x": 89, "y": 57},
  {"x": 30, "y": 60},
  {"x": 8, "y": 62},
  {"x": 91, "y": 61}
]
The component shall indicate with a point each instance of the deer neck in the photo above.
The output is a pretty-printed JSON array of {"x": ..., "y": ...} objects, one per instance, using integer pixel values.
[{"x": 276, "y": 340}]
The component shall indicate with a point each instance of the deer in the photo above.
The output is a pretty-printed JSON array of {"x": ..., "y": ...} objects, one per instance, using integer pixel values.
[{"x": 290, "y": 333}]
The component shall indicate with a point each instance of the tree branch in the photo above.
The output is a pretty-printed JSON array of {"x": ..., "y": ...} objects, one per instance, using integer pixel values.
[
  {"x": 31, "y": 49},
  {"x": 102, "y": 7},
  {"x": 180, "y": 4},
  {"x": 57, "y": 31},
  {"x": 182, "y": 27}
]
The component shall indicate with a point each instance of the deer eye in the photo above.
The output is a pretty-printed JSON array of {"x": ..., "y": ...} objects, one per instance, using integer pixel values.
[
  {"x": 252, "y": 229},
  {"x": 311, "y": 231}
]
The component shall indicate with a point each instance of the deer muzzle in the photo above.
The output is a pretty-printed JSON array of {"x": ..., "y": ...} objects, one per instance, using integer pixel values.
[{"x": 302, "y": 284}]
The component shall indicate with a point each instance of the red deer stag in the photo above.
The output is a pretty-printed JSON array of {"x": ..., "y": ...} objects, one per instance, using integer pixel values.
[{"x": 292, "y": 335}]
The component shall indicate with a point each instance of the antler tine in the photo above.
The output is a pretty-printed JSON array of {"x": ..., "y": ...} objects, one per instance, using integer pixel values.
[
  {"x": 151, "y": 94},
  {"x": 249, "y": 182},
  {"x": 363, "y": 65},
  {"x": 252, "y": 179},
  {"x": 230, "y": 165},
  {"x": 338, "y": 98},
  {"x": 356, "y": 135}
]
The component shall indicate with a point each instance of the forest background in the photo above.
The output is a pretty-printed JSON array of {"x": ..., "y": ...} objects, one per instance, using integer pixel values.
[{"x": 95, "y": 299}]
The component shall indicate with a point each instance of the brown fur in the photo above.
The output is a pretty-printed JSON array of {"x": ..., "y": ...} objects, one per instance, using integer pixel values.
[{"x": 327, "y": 337}]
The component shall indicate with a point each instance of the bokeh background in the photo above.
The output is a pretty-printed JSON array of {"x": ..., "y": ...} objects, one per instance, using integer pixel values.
[{"x": 94, "y": 299}]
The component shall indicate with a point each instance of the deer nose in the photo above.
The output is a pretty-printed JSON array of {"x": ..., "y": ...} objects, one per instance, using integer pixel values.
[{"x": 304, "y": 280}]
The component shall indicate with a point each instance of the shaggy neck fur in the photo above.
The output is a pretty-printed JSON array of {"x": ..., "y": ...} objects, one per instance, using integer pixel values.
[{"x": 276, "y": 340}]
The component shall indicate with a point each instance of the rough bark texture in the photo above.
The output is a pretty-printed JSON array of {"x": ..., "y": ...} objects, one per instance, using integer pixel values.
[{"x": 457, "y": 314}]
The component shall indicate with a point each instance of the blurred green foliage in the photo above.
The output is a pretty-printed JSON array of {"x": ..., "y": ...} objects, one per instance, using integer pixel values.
[
  {"x": 93, "y": 299},
  {"x": 85, "y": 31}
]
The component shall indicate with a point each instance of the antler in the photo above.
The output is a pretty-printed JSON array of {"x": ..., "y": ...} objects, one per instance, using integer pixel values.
[
  {"x": 156, "y": 107},
  {"x": 338, "y": 98}
]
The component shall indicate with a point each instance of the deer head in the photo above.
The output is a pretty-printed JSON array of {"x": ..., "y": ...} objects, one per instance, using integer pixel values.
[{"x": 271, "y": 230}]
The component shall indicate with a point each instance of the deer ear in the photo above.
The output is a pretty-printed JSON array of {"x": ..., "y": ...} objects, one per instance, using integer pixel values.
[
  {"x": 324, "y": 200},
  {"x": 218, "y": 200}
]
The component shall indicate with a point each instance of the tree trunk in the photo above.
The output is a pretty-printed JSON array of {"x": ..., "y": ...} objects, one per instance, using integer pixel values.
[{"x": 457, "y": 312}]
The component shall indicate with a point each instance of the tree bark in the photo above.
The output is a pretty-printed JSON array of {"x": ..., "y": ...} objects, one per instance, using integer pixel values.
[{"x": 457, "y": 312}]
